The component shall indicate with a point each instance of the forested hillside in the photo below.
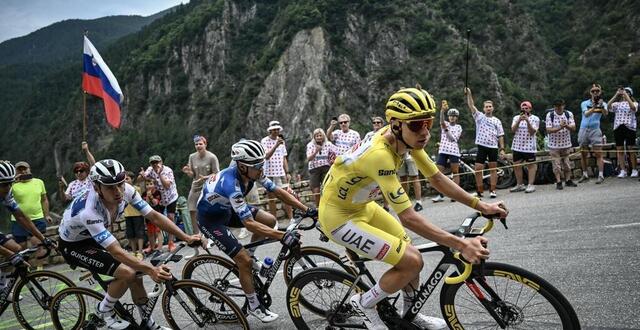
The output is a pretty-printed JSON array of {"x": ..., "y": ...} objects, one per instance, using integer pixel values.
[{"x": 226, "y": 68}]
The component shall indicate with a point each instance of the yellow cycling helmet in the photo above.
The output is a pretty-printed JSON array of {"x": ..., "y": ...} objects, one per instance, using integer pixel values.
[{"x": 410, "y": 104}]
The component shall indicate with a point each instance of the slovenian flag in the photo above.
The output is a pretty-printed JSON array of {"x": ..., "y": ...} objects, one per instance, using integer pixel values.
[{"x": 99, "y": 81}]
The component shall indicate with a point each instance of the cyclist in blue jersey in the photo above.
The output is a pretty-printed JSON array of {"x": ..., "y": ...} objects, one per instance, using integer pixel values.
[
  {"x": 85, "y": 240},
  {"x": 222, "y": 205},
  {"x": 9, "y": 247}
]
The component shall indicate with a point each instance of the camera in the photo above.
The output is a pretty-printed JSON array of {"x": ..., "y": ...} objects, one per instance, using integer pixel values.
[{"x": 334, "y": 118}]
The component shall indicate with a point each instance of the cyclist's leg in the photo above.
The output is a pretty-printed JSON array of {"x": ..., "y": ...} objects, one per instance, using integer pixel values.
[{"x": 8, "y": 246}]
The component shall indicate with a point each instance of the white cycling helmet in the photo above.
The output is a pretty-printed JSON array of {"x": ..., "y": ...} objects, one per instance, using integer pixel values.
[
  {"x": 453, "y": 112},
  {"x": 107, "y": 172},
  {"x": 248, "y": 152},
  {"x": 7, "y": 172}
]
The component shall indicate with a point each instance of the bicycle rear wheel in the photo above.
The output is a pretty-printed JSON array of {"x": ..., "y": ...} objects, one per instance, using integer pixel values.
[
  {"x": 217, "y": 271},
  {"x": 314, "y": 298},
  {"x": 313, "y": 256},
  {"x": 36, "y": 293},
  {"x": 195, "y": 305},
  {"x": 507, "y": 294}
]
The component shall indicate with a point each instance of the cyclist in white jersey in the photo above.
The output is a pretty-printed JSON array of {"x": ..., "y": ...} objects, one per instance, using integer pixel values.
[{"x": 85, "y": 240}]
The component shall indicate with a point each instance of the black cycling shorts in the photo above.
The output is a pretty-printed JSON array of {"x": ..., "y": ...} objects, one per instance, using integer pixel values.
[
  {"x": 624, "y": 135},
  {"x": 3, "y": 238},
  {"x": 222, "y": 237},
  {"x": 88, "y": 254},
  {"x": 485, "y": 153},
  {"x": 523, "y": 157}
]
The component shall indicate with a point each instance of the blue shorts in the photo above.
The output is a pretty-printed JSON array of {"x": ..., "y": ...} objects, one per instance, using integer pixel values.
[
  {"x": 222, "y": 237},
  {"x": 21, "y": 235},
  {"x": 443, "y": 159}
]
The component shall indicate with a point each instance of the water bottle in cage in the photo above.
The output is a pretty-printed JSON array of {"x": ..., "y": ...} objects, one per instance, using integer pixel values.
[{"x": 266, "y": 266}]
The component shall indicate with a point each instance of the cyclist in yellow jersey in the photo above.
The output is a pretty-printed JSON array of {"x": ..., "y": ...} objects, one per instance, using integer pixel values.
[{"x": 351, "y": 218}]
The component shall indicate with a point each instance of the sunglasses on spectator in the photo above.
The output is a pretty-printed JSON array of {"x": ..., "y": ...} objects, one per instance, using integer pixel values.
[
  {"x": 417, "y": 126},
  {"x": 595, "y": 91},
  {"x": 344, "y": 122},
  {"x": 79, "y": 171},
  {"x": 377, "y": 122}
]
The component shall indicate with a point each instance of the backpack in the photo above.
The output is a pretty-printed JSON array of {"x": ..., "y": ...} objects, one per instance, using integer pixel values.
[{"x": 552, "y": 115}]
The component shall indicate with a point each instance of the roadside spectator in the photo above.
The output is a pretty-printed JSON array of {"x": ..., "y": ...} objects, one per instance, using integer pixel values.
[
  {"x": 152, "y": 196},
  {"x": 344, "y": 138},
  {"x": 377, "y": 123},
  {"x": 625, "y": 124},
  {"x": 134, "y": 222},
  {"x": 90, "y": 158},
  {"x": 166, "y": 184},
  {"x": 408, "y": 173},
  {"x": 31, "y": 196},
  {"x": 200, "y": 166},
  {"x": 449, "y": 151},
  {"x": 320, "y": 155},
  {"x": 590, "y": 134},
  {"x": 276, "y": 167},
  {"x": 524, "y": 126},
  {"x": 559, "y": 124},
  {"x": 77, "y": 186},
  {"x": 490, "y": 143}
]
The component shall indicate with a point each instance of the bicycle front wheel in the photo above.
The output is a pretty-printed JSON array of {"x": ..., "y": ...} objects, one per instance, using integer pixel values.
[
  {"x": 315, "y": 299},
  {"x": 34, "y": 298},
  {"x": 217, "y": 271},
  {"x": 506, "y": 297},
  {"x": 310, "y": 257},
  {"x": 195, "y": 305}
]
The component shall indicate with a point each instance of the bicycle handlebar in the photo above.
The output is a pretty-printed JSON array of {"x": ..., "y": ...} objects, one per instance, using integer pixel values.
[{"x": 298, "y": 216}]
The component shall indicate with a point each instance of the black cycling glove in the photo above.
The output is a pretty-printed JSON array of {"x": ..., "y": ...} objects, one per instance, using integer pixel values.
[
  {"x": 290, "y": 238},
  {"x": 16, "y": 259},
  {"x": 312, "y": 212}
]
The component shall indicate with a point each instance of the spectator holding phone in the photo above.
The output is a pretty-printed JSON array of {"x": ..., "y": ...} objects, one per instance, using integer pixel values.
[
  {"x": 559, "y": 124},
  {"x": 276, "y": 166},
  {"x": 590, "y": 134},
  {"x": 524, "y": 126},
  {"x": 625, "y": 107},
  {"x": 320, "y": 155},
  {"x": 344, "y": 138}
]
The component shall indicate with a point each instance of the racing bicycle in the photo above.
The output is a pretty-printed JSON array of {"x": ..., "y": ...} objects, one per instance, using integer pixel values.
[
  {"x": 186, "y": 304},
  {"x": 32, "y": 292},
  {"x": 487, "y": 296}
]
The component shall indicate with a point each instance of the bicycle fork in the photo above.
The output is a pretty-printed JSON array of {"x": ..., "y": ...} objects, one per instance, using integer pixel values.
[{"x": 489, "y": 305}]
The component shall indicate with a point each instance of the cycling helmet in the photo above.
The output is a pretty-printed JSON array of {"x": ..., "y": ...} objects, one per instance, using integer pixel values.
[
  {"x": 7, "y": 172},
  {"x": 107, "y": 172},
  {"x": 410, "y": 104},
  {"x": 248, "y": 152},
  {"x": 453, "y": 112}
]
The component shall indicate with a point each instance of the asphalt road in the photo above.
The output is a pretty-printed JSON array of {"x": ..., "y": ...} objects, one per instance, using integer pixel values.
[{"x": 583, "y": 240}]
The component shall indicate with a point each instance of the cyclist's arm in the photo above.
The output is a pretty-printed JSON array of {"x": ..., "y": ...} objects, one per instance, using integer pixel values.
[
  {"x": 421, "y": 226},
  {"x": 5, "y": 252},
  {"x": 167, "y": 225},
  {"x": 289, "y": 199},
  {"x": 118, "y": 253},
  {"x": 241, "y": 208},
  {"x": 26, "y": 223},
  {"x": 261, "y": 229}
]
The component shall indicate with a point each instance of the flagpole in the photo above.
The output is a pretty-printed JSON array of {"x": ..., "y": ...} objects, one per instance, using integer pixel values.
[{"x": 84, "y": 116}]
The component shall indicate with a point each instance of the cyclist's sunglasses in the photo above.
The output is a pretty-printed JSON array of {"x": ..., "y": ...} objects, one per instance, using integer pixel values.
[
  {"x": 257, "y": 166},
  {"x": 6, "y": 184},
  {"x": 418, "y": 125}
]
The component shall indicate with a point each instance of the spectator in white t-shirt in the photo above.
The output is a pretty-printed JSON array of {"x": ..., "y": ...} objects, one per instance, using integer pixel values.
[
  {"x": 165, "y": 183},
  {"x": 320, "y": 154},
  {"x": 559, "y": 124},
  {"x": 377, "y": 123},
  {"x": 344, "y": 138},
  {"x": 276, "y": 166},
  {"x": 449, "y": 151},
  {"x": 524, "y": 126},
  {"x": 490, "y": 143},
  {"x": 624, "y": 128}
]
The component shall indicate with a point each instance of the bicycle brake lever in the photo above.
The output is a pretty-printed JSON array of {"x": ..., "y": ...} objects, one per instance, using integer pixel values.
[{"x": 504, "y": 222}]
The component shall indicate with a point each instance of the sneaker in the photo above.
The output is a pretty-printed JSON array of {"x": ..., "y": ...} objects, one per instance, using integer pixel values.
[
  {"x": 559, "y": 185},
  {"x": 518, "y": 188},
  {"x": 243, "y": 233},
  {"x": 530, "y": 188},
  {"x": 493, "y": 194},
  {"x": 370, "y": 315},
  {"x": 429, "y": 322},
  {"x": 438, "y": 198},
  {"x": 622, "y": 174},
  {"x": 570, "y": 184},
  {"x": 152, "y": 325},
  {"x": 600, "y": 180},
  {"x": 111, "y": 320},
  {"x": 583, "y": 179},
  {"x": 634, "y": 173},
  {"x": 417, "y": 207},
  {"x": 263, "y": 314},
  {"x": 171, "y": 246}
]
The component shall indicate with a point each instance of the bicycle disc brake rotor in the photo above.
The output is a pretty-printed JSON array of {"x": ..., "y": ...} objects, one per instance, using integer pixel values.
[{"x": 511, "y": 314}]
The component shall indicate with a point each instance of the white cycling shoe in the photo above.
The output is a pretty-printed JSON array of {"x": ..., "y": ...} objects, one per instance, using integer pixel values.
[
  {"x": 429, "y": 322},
  {"x": 112, "y": 321},
  {"x": 152, "y": 325},
  {"x": 263, "y": 314},
  {"x": 370, "y": 315}
]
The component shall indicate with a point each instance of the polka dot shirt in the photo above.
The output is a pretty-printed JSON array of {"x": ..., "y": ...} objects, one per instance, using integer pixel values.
[
  {"x": 562, "y": 138},
  {"x": 450, "y": 146},
  {"x": 488, "y": 129},
  {"x": 523, "y": 141},
  {"x": 624, "y": 115},
  {"x": 274, "y": 166},
  {"x": 344, "y": 141}
]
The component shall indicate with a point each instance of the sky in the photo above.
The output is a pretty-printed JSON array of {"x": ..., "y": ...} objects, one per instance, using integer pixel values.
[{"x": 21, "y": 17}]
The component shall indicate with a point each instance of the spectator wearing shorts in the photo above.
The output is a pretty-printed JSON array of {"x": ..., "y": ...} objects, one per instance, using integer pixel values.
[
  {"x": 625, "y": 108},
  {"x": 320, "y": 155},
  {"x": 590, "y": 134},
  {"x": 343, "y": 138},
  {"x": 449, "y": 151},
  {"x": 134, "y": 222},
  {"x": 152, "y": 196},
  {"x": 202, "y": 164},
  {"x": 490, "y": 143},
  {"x": 276, "y": 167},
  {"x": 408, "y": 172},
  {"x": 559, "y": 124},
  {"x": 165, "y": 183},
  {"x": 524, "y": 126}
]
